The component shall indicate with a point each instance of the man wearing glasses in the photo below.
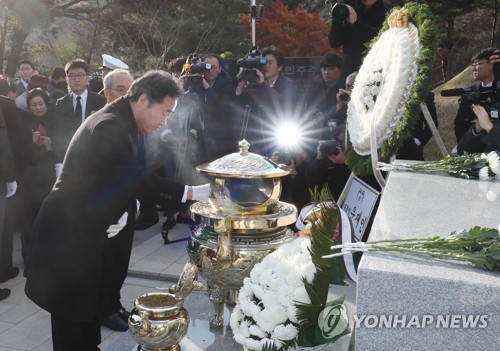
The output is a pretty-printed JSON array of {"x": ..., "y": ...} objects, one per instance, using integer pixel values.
[
  {"x": 482, "y": 72},
  {"x": 72, "y": 109}
]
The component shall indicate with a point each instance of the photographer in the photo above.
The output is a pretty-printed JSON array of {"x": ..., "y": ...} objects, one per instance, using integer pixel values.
[
  {"x": 266, "y": 101},
  {"x": 352, "y": 28},
  {"x": 321, "y": 101},
  {"x": 482, "y": 72},
  {"x": 329, "y": 167},
  {"x": 483, "y": 135}
]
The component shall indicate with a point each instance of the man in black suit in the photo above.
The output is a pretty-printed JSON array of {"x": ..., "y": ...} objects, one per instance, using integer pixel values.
[
  {"x": 25, "y": 69},
  {"x": 72, "y": 109},
  {"x": 100, "y": 180},
  {"x": 20, "y": 141},
  {"x": 8, "y": 184}
]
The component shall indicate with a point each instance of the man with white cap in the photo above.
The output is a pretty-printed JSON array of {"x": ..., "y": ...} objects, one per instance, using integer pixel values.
[{"x": 110, "y": 63}]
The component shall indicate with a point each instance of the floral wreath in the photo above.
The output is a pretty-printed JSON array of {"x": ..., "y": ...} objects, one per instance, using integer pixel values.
[{"x": 391, "y": 84}]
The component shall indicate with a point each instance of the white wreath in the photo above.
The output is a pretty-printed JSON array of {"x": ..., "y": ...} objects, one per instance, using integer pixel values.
[{"x": 383, "y": 85}]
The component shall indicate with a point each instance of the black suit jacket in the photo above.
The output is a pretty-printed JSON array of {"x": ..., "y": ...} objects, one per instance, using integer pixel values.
[
  {"x": 100, "y": 180},
  {"x": 65, "y": 122},
  {"x": 7, "y": 173},
  {"x": 20, "y": 88}
]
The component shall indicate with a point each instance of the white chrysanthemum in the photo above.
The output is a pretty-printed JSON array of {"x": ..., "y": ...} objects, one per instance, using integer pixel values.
[
  {"x": 283, "y": 269},
  {"x": 294, "y": 280},
  {"x": 276, "y": 284},
  {"x": 255, "y": 330},
  {"x": 235, "y": 318},
  {"x": 267, "y": 277},
  {"x": 266, "y": 321},
  {"x": 245, "y": 328},
  {"x": 258, "y": 291},
  {"x": 494, "y": 162},
  {"x": 253, "y": 345},
  {"x": 285, "y": 332},
  {"x": 279, "y": 313},
  {"x": 255, "y": 273},
  {"x": 484, "y": 173},
  {"x": 291, "y": 312},
  {"x": 300, "y": 295},
  {"x": 270, "y": 299},
  {"x": 309, "y": 271}
]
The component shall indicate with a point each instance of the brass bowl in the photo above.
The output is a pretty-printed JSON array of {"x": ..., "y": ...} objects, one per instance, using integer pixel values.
[{"x": 158, "y": 322}]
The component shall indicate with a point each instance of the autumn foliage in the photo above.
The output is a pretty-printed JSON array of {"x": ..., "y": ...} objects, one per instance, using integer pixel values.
[{"x": 296, "y": 33}]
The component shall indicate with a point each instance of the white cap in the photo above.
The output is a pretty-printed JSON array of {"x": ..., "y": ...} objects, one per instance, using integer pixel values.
[{"x": 112, "y": 63}]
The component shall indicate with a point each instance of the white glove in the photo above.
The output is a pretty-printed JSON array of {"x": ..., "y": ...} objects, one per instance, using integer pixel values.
[
  {"x": 116, "y": 228},
  {"x": 11, "y": 188},
  {"x": 58, "y": 168},
  {"x": 201, "y": 192}
]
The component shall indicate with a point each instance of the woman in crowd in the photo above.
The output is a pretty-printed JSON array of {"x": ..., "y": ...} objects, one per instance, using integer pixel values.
[{"x": 40, "y": 176}]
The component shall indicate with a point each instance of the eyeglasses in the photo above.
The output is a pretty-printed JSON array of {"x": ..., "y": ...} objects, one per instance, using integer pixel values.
[
  {"x": 75, "y": 76},
  {"x": 477, "y": 64}
]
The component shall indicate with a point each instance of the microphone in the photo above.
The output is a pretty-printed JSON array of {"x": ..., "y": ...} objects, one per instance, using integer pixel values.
[{"x": 455, "y": 92}]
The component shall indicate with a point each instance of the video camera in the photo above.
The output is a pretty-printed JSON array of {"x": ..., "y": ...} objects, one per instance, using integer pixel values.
[
  {"x": 339, "y": 11},
  {"x": 490, "y": 100},
  {"x": 192, "y": 72},
  {"x": 252, "y": 61}
]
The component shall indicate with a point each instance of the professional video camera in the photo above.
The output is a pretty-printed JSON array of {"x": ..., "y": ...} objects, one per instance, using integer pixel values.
[
  {"x": 192, "y": 72},
  {"x": 339, "y": 11},
  {"x": 252, "y": 62},
  {"x": 490, "y": 100}
]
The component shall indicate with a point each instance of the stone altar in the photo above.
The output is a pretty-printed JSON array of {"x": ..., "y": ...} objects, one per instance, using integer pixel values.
[{"x": 392, "y": 285}]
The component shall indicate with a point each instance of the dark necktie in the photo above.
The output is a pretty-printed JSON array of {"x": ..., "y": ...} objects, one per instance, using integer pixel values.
[{"x": 78, "y": 108}]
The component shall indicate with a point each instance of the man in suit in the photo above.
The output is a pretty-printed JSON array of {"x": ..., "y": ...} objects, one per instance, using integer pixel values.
[
  {"x": 100, "y": 180},
  {"x": 72, "y": 109},
  {"x": 113, "y": 314},
  {"x": 8, "y": 184},
  {"x": 25, "y": 69},
  {"x": 20, "y": 141}
]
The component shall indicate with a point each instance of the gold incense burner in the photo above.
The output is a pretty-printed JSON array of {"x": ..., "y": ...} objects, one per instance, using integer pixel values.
[
  {"x": 159, "y": 321},
  {"x": 242, "y": 222}
]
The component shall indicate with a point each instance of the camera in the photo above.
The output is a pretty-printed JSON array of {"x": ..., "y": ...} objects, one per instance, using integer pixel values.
[
  {"x": 252, "y": 61},
  {"x": 330, "y": 147},
  {"x": 490, "y": 100},
  {"x": 192, "y": 72},
  {"x": 339, "y": 11},
  {"x": 344, "y": 97}
]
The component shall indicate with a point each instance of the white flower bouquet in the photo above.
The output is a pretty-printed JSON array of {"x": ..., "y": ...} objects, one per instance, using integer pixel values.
[
  {"x": 280, "y": 304},
  {"x": 469, "y": 166}
]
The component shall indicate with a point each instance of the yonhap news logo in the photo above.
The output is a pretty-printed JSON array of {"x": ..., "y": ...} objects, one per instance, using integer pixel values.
[
  {"x": 450, "y": 321},
  {"x": 333, "y": 321}
]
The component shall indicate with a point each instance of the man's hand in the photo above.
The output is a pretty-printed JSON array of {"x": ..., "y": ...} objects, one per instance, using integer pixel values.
[
  {"x": 11, "y": 188},
  {"x": 114, "y": 229},
  {"x": 483, "y": 122}
]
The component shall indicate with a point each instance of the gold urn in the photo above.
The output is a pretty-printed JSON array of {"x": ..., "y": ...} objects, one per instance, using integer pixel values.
[
  {"x": 242, "y": 222},
  {"x": 158, "y": 321}
]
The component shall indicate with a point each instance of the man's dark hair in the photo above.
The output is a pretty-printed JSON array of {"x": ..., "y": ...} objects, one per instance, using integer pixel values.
[
  {"x": 4, "y": 85},
  {"x": 215, "y": 56},
  {"x": 331, "y": 59},
  {"x": 273, "y": 50},
  {"x": 25, "y": 62},
  {"x": 57, "y": 73},
  {"x": 156, "y": 85},
  {"x": 484, "y": 54},
  {"x": 37, "y": 92},
  {"x": 77, "y": 63},
  {"x": 177, "y": 64}
]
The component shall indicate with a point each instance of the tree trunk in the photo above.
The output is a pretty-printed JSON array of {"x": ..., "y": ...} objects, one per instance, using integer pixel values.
[
  {"x": 18, "y": 38},
  {"x": 3, "y": 37},
  {"x": 494, "y": 26}
]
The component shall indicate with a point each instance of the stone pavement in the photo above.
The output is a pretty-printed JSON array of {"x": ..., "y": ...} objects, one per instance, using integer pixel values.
[{"x": 24, "y": 326}]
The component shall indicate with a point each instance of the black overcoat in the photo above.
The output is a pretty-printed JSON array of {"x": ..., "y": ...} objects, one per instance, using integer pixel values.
[{"x": 100, "y": 179}]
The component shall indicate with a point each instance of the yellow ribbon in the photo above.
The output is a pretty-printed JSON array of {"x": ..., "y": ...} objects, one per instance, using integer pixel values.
[{"x": 398, "y": 19}]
